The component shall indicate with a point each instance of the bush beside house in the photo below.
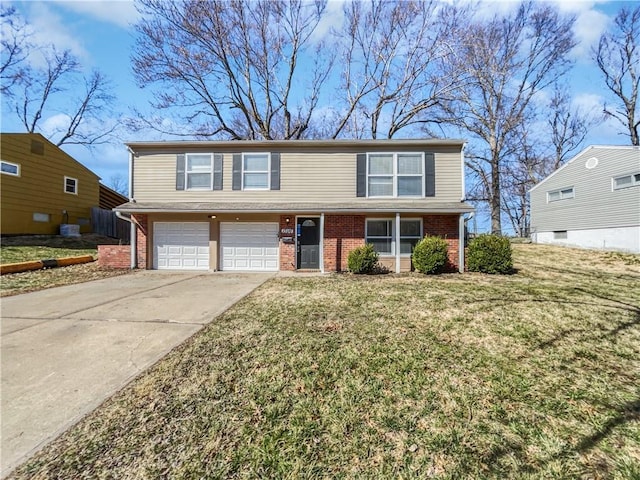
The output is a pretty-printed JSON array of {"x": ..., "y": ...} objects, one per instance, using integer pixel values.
[{"x": 490, "y": 254}]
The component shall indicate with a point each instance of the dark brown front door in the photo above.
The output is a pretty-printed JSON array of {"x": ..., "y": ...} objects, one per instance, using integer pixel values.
[{"x": 308, "y": 234}]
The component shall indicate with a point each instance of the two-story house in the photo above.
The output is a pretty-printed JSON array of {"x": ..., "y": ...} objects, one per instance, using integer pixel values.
[
  {"x": 592, "y": 201},
  {"x": 293, "y": 205}
]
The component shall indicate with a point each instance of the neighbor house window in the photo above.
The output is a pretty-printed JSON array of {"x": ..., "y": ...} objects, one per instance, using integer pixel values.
[
  {"x": 71, "y": 185},
  {"x": 255, "y": 171},
  {"x": 381, "y": 234},
  {"x": 561, "y": 194},
  {"x": 395, "y": 174},
  {"x": 9, "y": 168},
  {"x": 198, "y": 171},
  {"x": 626, "y": 181},
  {"x": 560, "y": 235},
  {"x": 41, "y": 217}
]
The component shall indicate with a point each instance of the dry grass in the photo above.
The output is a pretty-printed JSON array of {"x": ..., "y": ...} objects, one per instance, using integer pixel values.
[
  {"x": 532, "y": 375},
  {"x": 39, "y": 247}
]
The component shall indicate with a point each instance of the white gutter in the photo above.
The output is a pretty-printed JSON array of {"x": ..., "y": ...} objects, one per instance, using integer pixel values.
[
  {"x": 464, "y": 186},
  {"x": 132, "y": 238},
  {"x": 130, "y": 173}
]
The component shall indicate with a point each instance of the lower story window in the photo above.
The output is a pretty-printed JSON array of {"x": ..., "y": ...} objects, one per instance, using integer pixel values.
[{"x": 381, "y": 234}]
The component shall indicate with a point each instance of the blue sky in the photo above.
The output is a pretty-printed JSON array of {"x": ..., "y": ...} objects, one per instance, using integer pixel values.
[{"x": 100, "y": 33}]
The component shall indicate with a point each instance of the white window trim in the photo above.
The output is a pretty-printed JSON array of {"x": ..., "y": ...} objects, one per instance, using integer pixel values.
[
  {"x": 268, "y": 172},
  {"x": 64, "y": 185},
  {"x": 634, "y": 182},
  {"x": 560, "y": 190},
  {"x": 395, "y": 175},
  {"x": 17, "y": 165},
  {"x": 394, "y": 240},
  {"x": 187, "y": 172}
]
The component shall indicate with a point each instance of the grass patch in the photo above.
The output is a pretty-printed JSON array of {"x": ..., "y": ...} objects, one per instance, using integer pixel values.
[
  {"x": 40, "y": 247},
  {"x": 532, "y": 375},
  {"x": 10, "y": 254}
]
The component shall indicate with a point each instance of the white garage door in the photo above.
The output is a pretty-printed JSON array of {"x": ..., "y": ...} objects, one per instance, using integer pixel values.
[
  {"x": 250, "y": 246},
  {"x": 181, "y": 245}
]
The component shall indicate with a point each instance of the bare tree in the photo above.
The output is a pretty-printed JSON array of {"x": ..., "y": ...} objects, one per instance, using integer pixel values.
[
  {"x": 237, "y": 69},
  {"x": 507, "y": 61},
  {"x": 618, "y": 58},
  {"x": 14, "y": 42},
  {"x": 119, "y": 183},
  {"x": 81, "y": 121},
  {"x": 567, "y": 129},
  {"x": 58, "y": 90},
  {"x": 391, "y": 56}
]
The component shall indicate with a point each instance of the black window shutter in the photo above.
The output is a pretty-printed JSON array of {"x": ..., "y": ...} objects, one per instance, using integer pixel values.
[
  {"x": 429, "y": 175},
  {"x": 237, "y": 171},
  {"x": 361, "y": 169},
  {"x": 217, "y": 171},
  {"x": 275, "y": 171},
  {"x": 180, "y": 171}
]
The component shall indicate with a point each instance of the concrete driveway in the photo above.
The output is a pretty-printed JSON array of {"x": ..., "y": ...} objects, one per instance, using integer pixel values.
[{"x": 65, "y": 350}]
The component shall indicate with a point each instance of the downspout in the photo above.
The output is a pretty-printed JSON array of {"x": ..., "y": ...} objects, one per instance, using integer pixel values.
[
  {"x": 462, "y": 237},
  {"x": 132, "y": 238},
  {"x": 133, "y": 232}
]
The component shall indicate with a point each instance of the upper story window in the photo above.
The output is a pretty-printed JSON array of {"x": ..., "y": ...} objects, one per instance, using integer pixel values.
[
  {"x": 71, "y": 185},
  {"x": 381, "y": 234},
  {"x": 626, "y": 181},
  {"x": 560, "y": 194},
  {"x": 395, "y": 175},
  {"x": 256, "y": 171},
  {"x": 9, "y": 168},
  {"x": 199, "y": 171}
]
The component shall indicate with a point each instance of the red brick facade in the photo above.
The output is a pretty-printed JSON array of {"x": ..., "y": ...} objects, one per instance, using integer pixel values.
[
  {"x": 141, "y": 240},
  {"x": 447, "y": 227},
  {"x": 342, "y": 233},
  {"x": 114, "y": 256}
]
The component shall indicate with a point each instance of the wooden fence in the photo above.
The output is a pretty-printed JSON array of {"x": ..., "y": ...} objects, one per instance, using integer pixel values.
[{"x": 106, "y": 223}]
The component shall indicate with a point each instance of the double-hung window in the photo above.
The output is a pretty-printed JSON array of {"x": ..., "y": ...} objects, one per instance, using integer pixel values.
[
  {"x": 560, "y": 194},
  {"x": 395, "y": 174},
  {"x": 71, "y": 185},
  {"x": 626, "y": 181},
  {"x": 199, "y": 171},
  {"x": 381, "y": 233},
  {"x": 255, "y": 171}
]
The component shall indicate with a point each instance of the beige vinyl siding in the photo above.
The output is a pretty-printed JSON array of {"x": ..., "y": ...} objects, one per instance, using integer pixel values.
[
  {"x": 595, "y": 203},
  {"x": 310, "y": 175},
  {"x": 40, "y": 187}
]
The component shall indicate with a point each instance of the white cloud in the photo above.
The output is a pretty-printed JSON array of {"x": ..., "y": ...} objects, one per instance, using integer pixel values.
[
  {"x": 589, "y": 25},
  {"x": 122, "y": 13},
  {"x": 49, "y": 28}
]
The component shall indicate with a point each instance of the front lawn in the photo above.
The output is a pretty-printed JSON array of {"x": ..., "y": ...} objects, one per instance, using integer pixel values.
[{"x": 533, "y": 375}]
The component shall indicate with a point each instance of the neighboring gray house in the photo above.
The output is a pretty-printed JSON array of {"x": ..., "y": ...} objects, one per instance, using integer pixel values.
[{"x": 593, "y": 201}]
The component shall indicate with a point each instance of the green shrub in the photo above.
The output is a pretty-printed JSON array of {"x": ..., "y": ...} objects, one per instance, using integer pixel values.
[
  {"x": 363, "y": 259},
  {"x": 430, "y": 255},
  {"x": 490, "y": 254}
]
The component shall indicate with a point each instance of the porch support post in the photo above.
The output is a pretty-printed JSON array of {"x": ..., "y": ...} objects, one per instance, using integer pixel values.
[
  {"x": 397, "y": 242},
  {"x": 461, "y": 244},
  {"x": 322, "y": 243}
]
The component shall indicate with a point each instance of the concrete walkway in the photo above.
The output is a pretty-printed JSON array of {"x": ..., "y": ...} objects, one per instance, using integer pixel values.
[{"x": 65, "y": 350}]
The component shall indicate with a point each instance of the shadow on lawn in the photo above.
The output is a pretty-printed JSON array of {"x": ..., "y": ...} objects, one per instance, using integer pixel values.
[{"x": 629, "y": 412}]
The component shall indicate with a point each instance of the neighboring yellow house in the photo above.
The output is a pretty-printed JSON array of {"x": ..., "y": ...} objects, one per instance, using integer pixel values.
[{"x": 42, "y": 187}]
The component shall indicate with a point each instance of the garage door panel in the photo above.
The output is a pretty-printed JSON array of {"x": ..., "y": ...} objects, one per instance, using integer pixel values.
[
  {"x": 249, "y": 246},
  {"x": 181, "y": 245}
]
